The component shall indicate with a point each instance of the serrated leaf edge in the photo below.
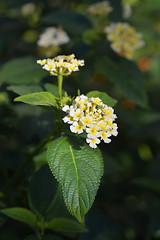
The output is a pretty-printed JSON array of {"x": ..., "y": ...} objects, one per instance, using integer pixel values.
[{"x": 98, "y": 182}]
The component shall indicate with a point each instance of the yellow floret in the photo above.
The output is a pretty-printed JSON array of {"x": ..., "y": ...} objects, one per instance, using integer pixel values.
[{"x": 102, "y": 125}]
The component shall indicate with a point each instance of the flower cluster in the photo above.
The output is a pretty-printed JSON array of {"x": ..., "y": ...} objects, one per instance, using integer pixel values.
[
  {"x": 61, "y": 65},
  {"x": 100, "y": 8},
  {"x": 53, "y": 36},
  {"x": 125, "y": 40},
  {"x": 92, "y": 116}
]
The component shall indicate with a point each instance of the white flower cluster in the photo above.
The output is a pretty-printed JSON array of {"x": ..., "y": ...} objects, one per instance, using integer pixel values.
[
  {"x": 125, "y": 40},
  {"x": 92, "y": 116},
  {"x": 53, "y": 36},
  {"x": 100, "y": 8},
  {"x": 61, "y": 65}
]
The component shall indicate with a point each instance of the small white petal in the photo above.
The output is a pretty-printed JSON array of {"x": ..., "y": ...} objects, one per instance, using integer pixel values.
[{"x": 65, "y": 108}]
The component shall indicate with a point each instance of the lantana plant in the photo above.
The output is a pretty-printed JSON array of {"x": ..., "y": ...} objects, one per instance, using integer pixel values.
[
  {"x": 72, "y": 154},
  {"x": 124, "y": 39}
]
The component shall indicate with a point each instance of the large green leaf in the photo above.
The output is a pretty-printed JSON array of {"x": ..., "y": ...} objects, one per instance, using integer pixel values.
[
  {"x": 103, "y": 96},
  {"x": 65, "y": 225},
  {"x": 40, "y": 98},
  {"x": 78, "y": 168},
  {"x": 23, "y": 70},
  {"x": 23, "y": 89},
  {"x": 42, "y": 190},
  {"x": 126, "y": 75},
  {"x": 71, "y": 21},
  {"x": 20, "y": 214}
]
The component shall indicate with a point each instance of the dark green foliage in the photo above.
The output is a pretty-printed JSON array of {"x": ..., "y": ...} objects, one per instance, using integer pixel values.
[
  {"x": 127, "y": 203},
  {"x": 127, "y": 76},
  {"x": 42, "y": 191},
  {"x": 20, "y": 214},
  {"x": 24, "y": 71},
  {"x": 72, "y": 22}
]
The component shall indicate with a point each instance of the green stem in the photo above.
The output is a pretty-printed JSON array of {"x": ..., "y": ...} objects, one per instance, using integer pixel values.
[
  {"x": 38, "y": 235},
  {"x": 60, "y": 81},
  {"x": 42, "y": 227}
]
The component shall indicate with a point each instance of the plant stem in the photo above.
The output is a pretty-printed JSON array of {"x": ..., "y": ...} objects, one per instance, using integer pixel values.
[
  {"x": 38, "y": 235},
  {"x": 60, "y": 81}
]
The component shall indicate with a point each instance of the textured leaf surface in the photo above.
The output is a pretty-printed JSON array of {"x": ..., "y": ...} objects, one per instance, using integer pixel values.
[
  {"x": 126, "y": 75},
  {"x": 23, "y": 89},
  {"x": 65, "y": 225},
  {"x": 78, "y": 168},
  {"x": 20, "y": 214},
  {"x": 40, "y": 98},
  {"x": 69, "y": 21},
  {"x": 103, "y": 96},
  {"x": 21, "y": 71}
]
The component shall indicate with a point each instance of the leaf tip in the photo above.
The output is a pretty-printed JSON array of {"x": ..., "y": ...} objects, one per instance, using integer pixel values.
[
  {"x": 16, "y": 99},
  {"x": 82, "y": 220}
]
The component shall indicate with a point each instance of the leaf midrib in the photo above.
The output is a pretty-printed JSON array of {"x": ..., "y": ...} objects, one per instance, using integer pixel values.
[{"x": 76, "y": 170}]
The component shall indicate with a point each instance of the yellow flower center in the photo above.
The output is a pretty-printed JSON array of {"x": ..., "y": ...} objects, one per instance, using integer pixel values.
[
  {"x": 104, "y": 135},
  {"x": 77, "y": 114},
  {"x": 93, "y": 140},
  {"x": 86, "y": 120},
  {"x": 78, "y": 127},
  {"x": 93, "y": 130},
  {"x": 102, "y": 125}
]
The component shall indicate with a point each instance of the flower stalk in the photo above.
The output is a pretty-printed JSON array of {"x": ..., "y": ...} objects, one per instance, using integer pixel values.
[{"x": 60, "y": 82}]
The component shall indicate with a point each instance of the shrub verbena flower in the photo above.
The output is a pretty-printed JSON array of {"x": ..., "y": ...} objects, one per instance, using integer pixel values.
[
  {"x": 100, "y": 8},
  {"x": 124, "y": 38},
  {"x": 61, "y": 65},
  {"x": 92, "y": 116},
  {"x": 53, "y": 36}
]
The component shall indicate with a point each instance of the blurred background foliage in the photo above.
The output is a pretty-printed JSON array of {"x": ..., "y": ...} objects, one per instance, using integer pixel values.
[{"x": 127, "y": 205}]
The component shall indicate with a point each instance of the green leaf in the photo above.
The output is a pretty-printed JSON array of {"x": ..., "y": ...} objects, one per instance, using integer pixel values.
[
  {"x": 126, "y": 75},
  {"x": 20, "y": 214},
  {"x": 69, "y": 21},
  {"x": 78, "y": 168},
  {"x": 40, "y": 98},
  {"x": 65, "y": 225},
  {"x": 21, "y": 71},
  {"x": 103, "y": 96},
  {"x": 52, "y": 89},
  {"x": 40, "y": 159},
  {"x": 42, "y": 190},
  {"x": 23, "y": 89}
]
